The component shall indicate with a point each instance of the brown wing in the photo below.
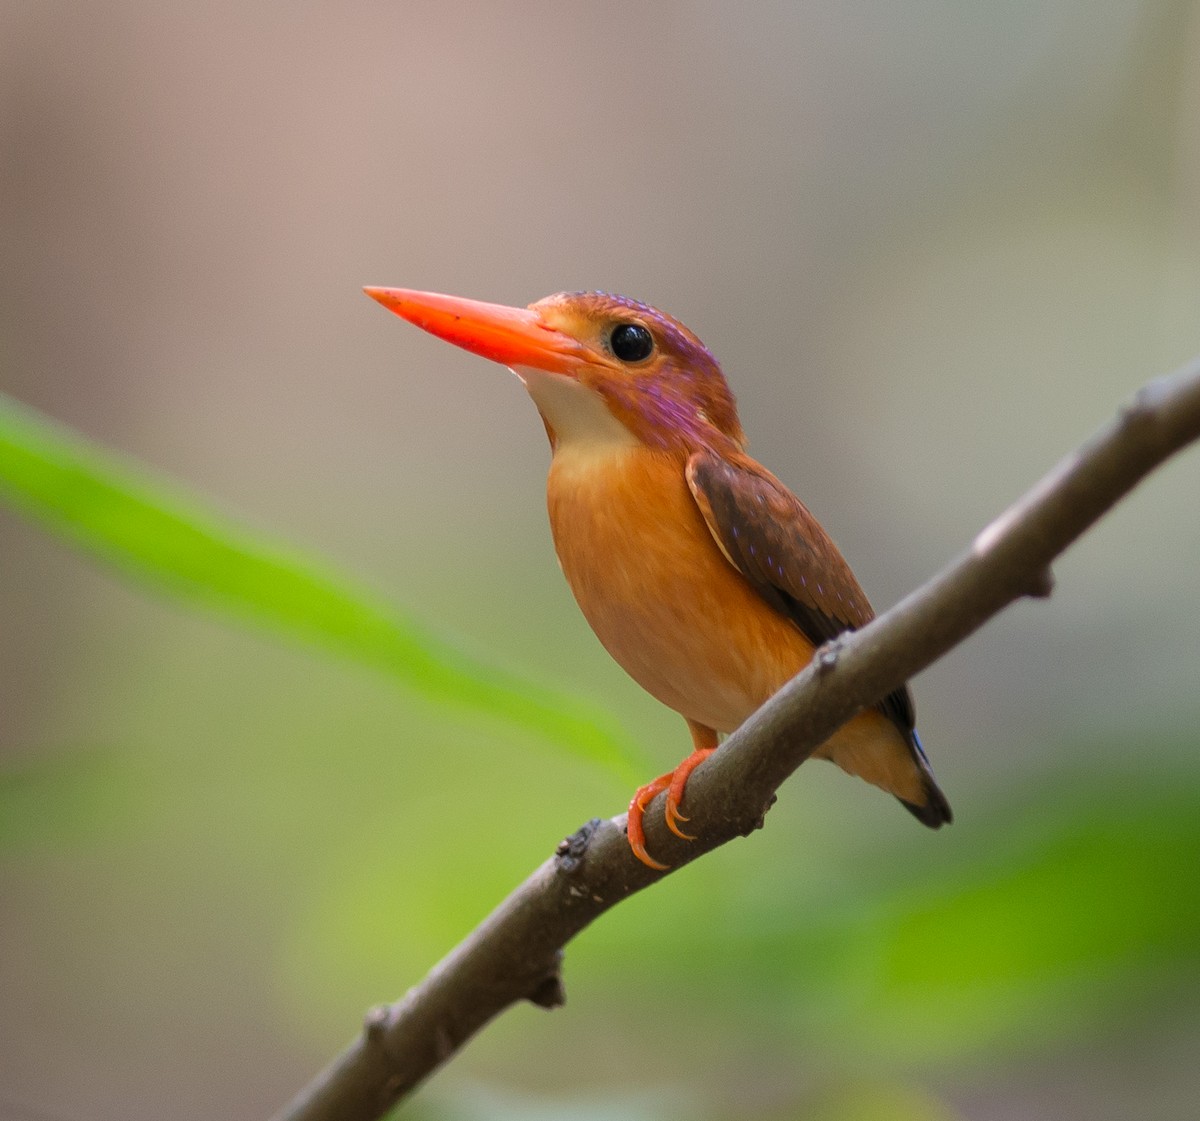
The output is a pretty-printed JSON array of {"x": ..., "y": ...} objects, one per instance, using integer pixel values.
[{"x": 769, "y": 536}]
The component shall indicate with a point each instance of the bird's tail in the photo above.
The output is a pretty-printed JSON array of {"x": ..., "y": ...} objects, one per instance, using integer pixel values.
[
  {"x": 933, "y": 809},
  {"x": 873, "y": 747}
]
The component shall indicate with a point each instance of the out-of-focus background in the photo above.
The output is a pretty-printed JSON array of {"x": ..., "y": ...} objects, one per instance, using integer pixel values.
[{"x": 934, "y": 245}]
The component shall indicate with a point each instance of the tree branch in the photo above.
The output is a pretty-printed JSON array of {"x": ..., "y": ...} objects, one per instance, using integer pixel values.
[{"x": 516, "y": 952}]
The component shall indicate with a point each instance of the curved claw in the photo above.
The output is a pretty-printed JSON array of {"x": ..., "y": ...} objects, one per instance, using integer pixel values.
[
  {"x": 637, "y": 810},
  {"x": 673, "y": 817},
  {"x": 673, "y": 782},
  {"x": 676, "y": 787},
  {"x": 639, "y": 850}
]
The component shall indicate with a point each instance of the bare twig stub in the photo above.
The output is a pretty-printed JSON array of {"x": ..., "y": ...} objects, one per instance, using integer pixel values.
[{"x": 516, "y": 952}]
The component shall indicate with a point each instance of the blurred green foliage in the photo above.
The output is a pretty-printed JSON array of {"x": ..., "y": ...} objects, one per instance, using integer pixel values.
[
  {"x": 65, "y": 800},
  {"x": 931, "y": 954},
  {"x": 152, "y": 530}
]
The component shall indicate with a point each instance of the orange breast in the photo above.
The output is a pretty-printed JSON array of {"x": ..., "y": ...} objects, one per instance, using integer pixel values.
[
  {"x": 675, "y": 614},
  {"x": 656, "y": 590}
]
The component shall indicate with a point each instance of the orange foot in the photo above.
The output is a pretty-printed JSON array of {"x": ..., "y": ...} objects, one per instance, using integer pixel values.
[{"x": 673, "y": 782}]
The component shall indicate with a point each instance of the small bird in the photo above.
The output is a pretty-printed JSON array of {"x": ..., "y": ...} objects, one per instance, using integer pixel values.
[{"x": 706, "y": 579}]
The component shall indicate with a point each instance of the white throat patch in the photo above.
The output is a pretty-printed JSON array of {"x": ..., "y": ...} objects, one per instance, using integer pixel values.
[{"x": 578, "y": 415}]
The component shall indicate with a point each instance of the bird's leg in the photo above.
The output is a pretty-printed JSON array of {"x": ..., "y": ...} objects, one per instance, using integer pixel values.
[{"x": 704, "y": 743}]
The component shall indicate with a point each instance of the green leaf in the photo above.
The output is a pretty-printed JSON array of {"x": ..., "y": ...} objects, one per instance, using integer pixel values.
[{"x": 157, "y": 533}]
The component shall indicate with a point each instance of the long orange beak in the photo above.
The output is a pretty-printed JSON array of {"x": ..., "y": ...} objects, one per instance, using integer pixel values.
[{"x": 512, "y": 336}]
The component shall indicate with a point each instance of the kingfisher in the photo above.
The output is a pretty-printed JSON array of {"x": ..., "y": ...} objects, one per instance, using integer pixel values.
[{"x": 705, "y": 577}]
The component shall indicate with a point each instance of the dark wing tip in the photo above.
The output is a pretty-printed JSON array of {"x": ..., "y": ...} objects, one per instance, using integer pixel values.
[{"x": 934, "y": 811}]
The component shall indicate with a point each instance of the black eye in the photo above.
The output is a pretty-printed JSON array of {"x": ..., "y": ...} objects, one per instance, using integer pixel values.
[{"x": 631, "y": 342}]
